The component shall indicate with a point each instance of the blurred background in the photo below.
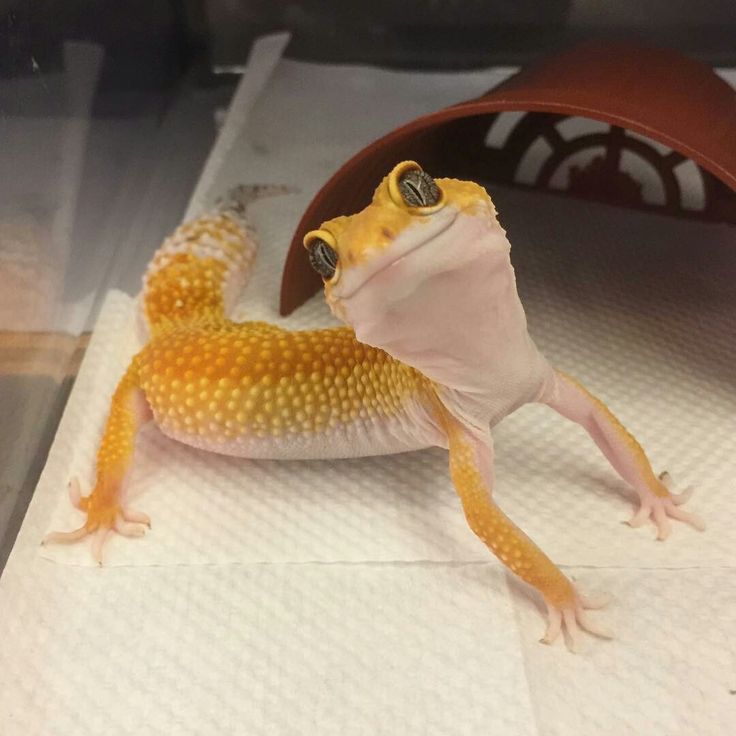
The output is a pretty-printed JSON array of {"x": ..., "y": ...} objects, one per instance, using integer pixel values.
[{"x": 108, "y": 111}]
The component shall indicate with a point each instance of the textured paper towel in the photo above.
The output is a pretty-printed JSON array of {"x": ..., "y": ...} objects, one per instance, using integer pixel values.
[
  {"x": 404, "y": 632},
  {"x": 264, "y": 649},
  {"x": 671, "y": 670}
]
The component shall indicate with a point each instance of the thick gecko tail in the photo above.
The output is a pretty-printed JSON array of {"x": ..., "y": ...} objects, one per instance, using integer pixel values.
[{"x": 199, "y": 270}]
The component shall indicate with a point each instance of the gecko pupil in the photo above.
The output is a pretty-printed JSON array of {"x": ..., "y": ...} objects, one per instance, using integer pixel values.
[
  {"x": 418, "y": 189},
  {"x": 323, "y": 258}
]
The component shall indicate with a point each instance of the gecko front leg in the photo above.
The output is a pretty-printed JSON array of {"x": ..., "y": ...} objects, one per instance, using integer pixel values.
[
  {"x": 573, "y": 401},
  {"x": 471, "y": 469}
]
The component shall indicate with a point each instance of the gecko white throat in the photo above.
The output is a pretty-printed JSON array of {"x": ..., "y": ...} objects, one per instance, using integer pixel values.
[{"x": 450, "y": 308}]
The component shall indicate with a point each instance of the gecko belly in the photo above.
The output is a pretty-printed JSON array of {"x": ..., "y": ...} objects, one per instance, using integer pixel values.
[
  {"x": 352, "y": 439},
  {"x": 252, "y": 390}
]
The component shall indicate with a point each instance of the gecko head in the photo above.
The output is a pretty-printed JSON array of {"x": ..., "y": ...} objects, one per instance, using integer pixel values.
[{"x": 386, "y": 269}]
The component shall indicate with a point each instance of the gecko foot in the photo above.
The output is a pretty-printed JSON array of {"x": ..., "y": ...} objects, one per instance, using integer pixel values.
[
  {"x": 574, "y": 619},
  {"x": 665, "y": 507},
  {"x": 102, "y": 519}
]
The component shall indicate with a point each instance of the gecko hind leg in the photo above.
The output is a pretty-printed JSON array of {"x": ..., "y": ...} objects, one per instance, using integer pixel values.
[{"x": 106, "y": 506}]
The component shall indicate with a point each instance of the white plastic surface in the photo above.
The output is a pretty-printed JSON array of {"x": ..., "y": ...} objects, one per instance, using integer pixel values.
[{"x": 349, "y": 597}]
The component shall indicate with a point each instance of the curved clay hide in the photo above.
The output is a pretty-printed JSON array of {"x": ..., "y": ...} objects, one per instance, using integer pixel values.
[{"x": 658, "y": 93}]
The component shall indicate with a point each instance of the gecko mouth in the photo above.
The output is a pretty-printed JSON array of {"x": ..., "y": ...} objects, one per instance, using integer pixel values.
[{"x": 403, "y": 256}]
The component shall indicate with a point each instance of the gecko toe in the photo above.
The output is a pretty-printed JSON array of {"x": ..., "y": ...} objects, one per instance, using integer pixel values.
[
  {"x": 573, "y": 639},
  {"x": 75, "y": 493},
  {"x": 554, "y": 626},
  {"x": 128, "y": 528},
  {"x": 98, "y": 542},
  {"x": 683, "y": 497},
  {"x": 688, "y": 517},
  {"x": 662, "y": 522},
  {"x": 640, "y": 517},
  {"x": 138, "y": 517},
  {"x": 65, "y": 537},
  {"x": 594, "y": 602},
  {"x": 602, "y": 632}
]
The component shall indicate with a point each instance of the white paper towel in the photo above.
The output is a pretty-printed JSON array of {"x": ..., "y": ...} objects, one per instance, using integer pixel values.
[{"x": 349, "y": 597}]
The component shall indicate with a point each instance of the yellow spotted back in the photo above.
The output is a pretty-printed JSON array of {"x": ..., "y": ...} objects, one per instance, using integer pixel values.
[{"x": 254, "y": 379}]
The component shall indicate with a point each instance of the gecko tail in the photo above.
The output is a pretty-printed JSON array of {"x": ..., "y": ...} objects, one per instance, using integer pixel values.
[
  {"x": 237, "y": 200},
  {"x": 199, "y": 270}
]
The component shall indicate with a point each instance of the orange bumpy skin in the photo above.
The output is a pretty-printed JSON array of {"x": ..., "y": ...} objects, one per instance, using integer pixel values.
[
  {"x": 436, "y": 352},
  {"x": 223, "y": 380}
]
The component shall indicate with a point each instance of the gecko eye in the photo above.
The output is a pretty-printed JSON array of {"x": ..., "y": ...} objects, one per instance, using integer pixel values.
[
  {"x": 409, "y": 187},
  {"x": 323, "y": 258},
  {"x": 418, "y": 189}
]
